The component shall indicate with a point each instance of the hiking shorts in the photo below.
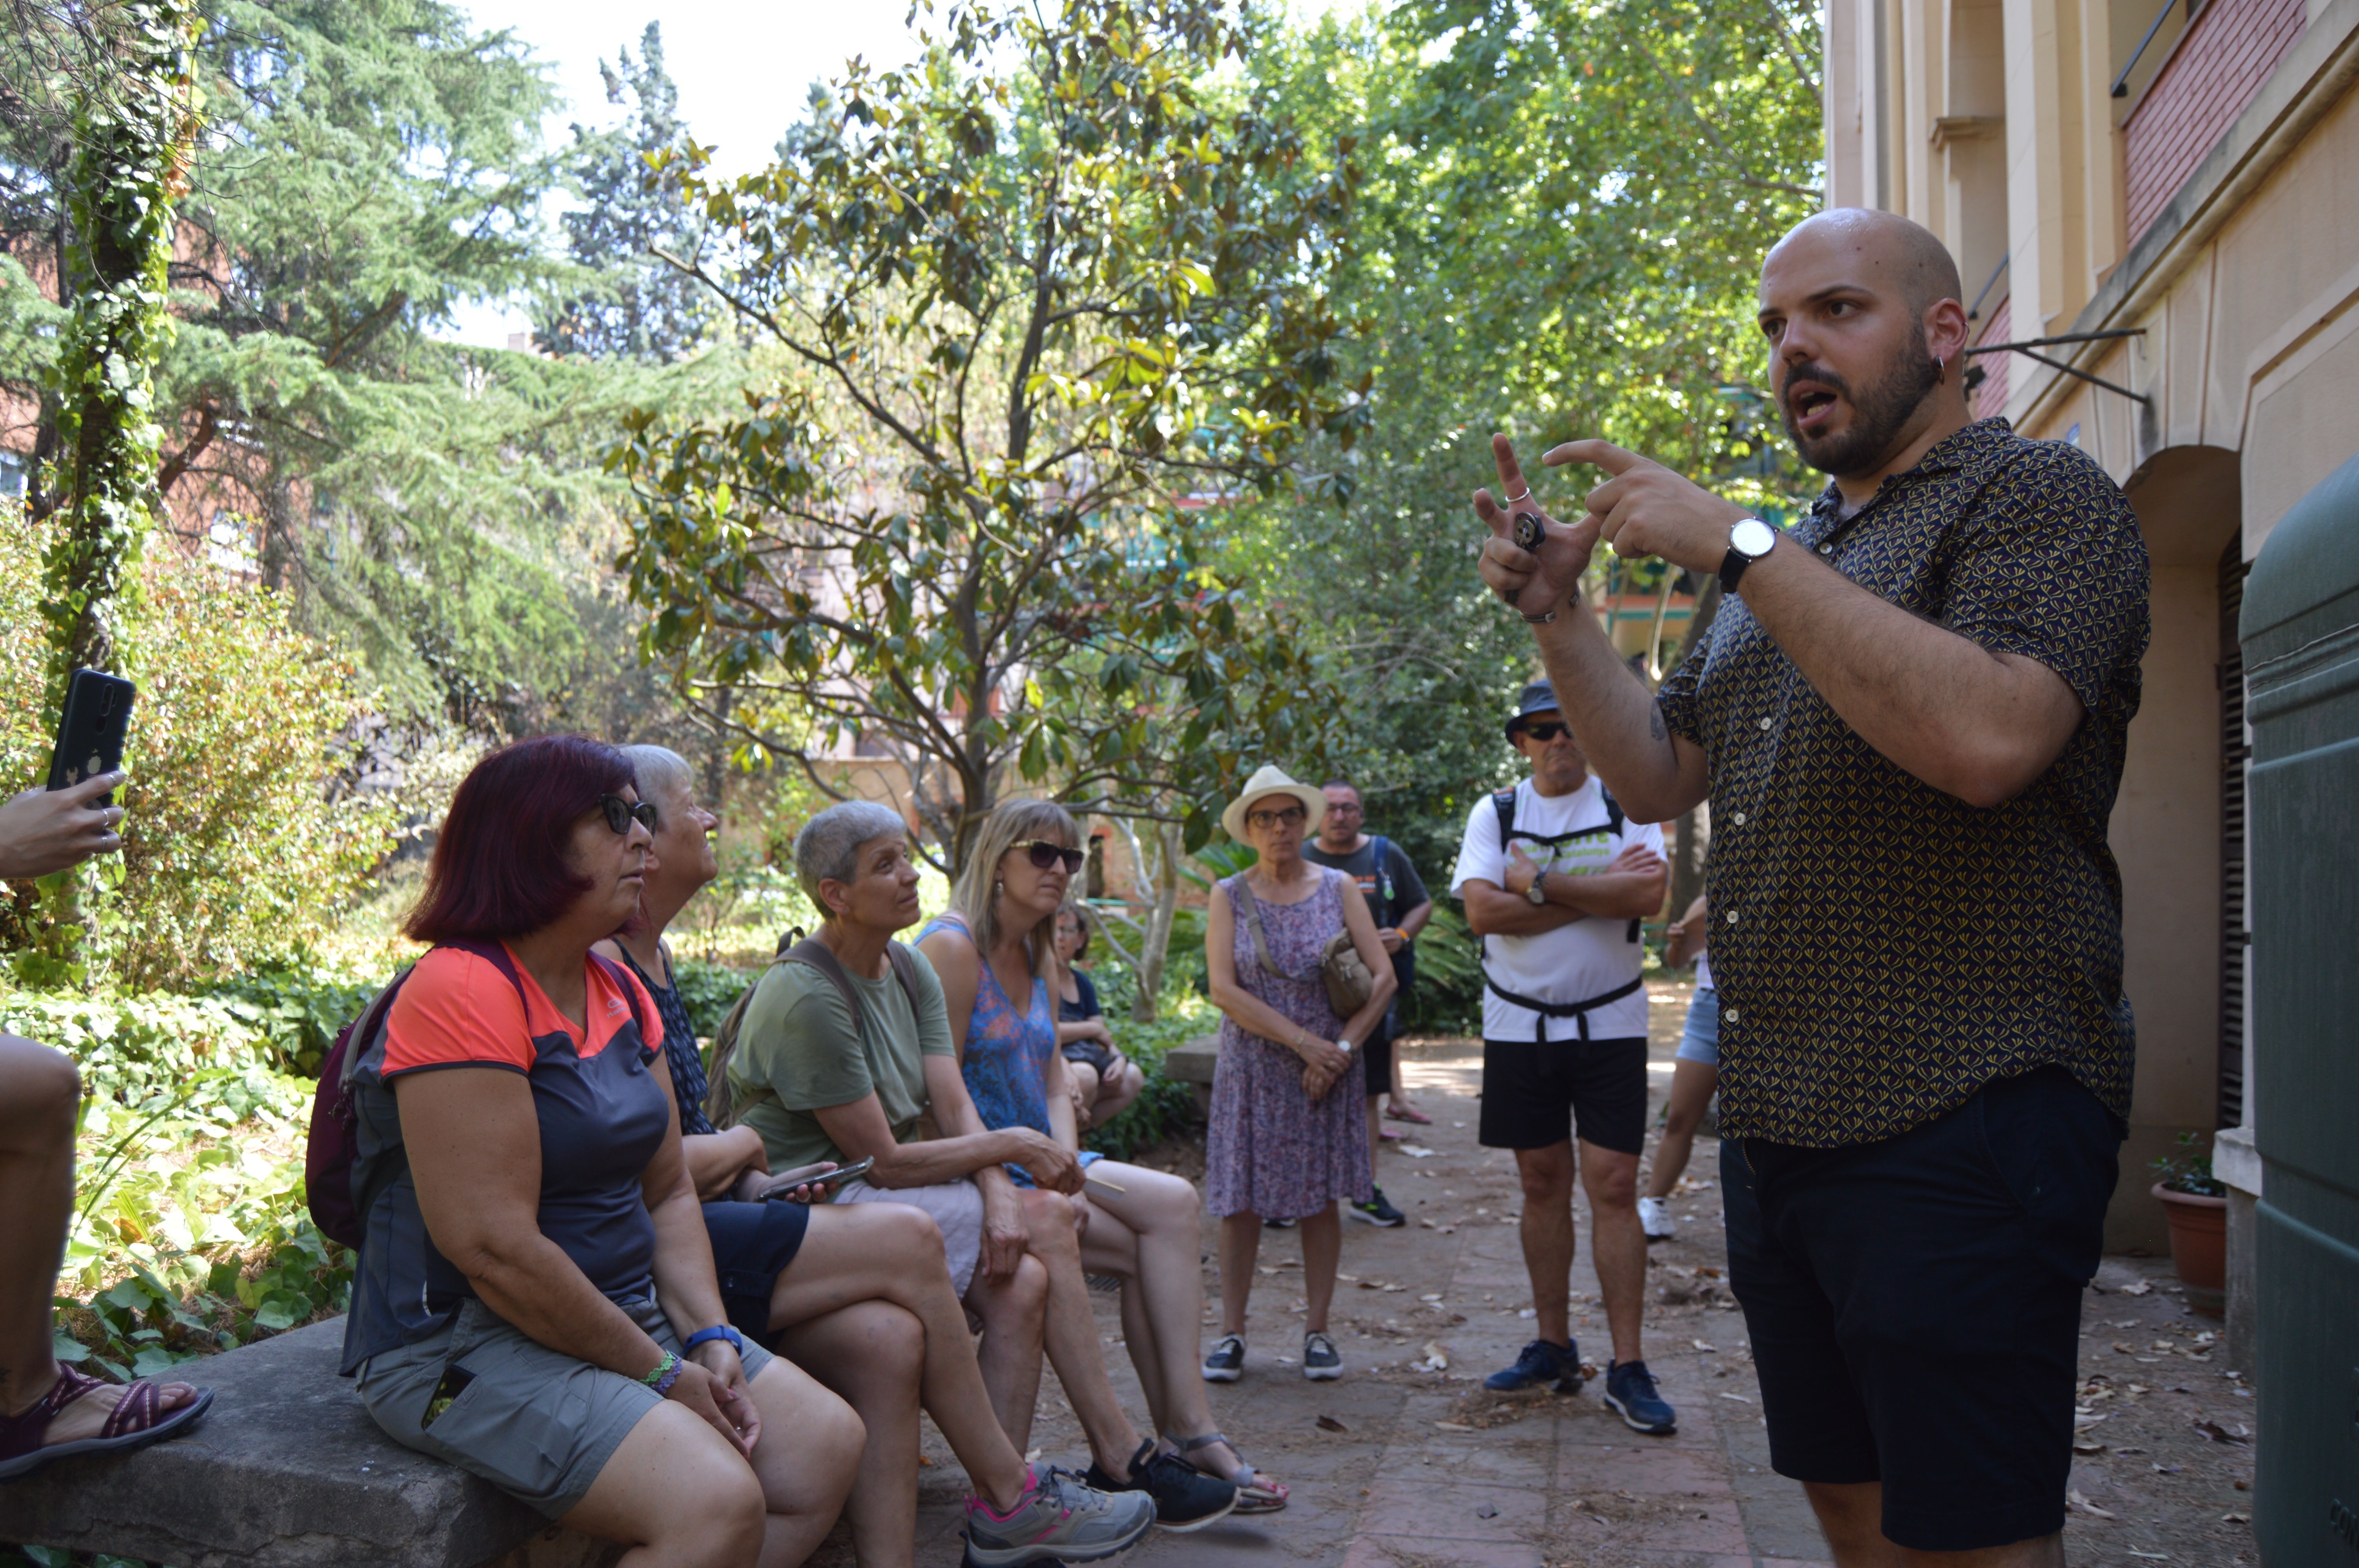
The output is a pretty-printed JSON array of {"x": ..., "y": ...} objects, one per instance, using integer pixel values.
[{"x": 535, "y": 1422}]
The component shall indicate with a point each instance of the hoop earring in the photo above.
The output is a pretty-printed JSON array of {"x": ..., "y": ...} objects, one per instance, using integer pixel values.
[{"x": 1941, "y": 371}]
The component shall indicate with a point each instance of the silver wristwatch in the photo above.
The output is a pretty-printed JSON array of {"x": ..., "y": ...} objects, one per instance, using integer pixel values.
[
  {"x": 1537, "y": 893},
  {"x": 1747, "y": 542}
]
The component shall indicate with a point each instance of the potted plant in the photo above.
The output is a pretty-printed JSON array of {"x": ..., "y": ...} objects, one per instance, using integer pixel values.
[{"x": 2196, "y": 1203}]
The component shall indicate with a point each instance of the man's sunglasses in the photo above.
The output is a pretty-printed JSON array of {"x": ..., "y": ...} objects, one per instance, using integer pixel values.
[
  {"x": 1045, "y": 855},
  {"x": 1544, "y": 733},
  {"x": 621, "y": 813}
]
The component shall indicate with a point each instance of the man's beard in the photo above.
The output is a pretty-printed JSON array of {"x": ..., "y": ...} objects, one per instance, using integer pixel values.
[{"x": 1878, "y": 416}]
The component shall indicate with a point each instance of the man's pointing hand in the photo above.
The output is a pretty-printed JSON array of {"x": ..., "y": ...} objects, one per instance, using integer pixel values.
[
  {"x": 1535, "y": 582},
  {"x": 1645, "y": 509}
]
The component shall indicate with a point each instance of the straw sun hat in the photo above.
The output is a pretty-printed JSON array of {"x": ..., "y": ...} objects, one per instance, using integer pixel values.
[{"x": 1270, "y": 779}]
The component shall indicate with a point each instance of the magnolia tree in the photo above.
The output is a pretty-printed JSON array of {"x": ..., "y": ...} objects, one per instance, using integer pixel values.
[{"x": 1045, "y": 303}]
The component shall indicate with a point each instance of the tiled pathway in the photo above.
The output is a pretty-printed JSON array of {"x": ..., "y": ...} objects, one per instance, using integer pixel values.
[{"x": 1427, "y": 1472}]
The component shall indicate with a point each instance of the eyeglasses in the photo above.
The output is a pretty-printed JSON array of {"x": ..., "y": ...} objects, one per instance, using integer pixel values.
[
  {"x": 1544, "y": 733},
  {"x": 1045, "y": 855},
  {"x": 621, "y": 813},
  {"x": 1285, "y": 818},
  {"x": 1342, "y": 808}
]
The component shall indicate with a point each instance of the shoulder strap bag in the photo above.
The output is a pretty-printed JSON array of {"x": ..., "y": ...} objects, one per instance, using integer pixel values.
[{"x": 1349, "y": 985}]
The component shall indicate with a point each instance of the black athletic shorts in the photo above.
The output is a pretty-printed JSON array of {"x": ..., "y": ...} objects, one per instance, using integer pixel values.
[
  {"x": 752, "y": 1245},
  {"x": 1915, "y": 1306},
  {"x": 1377, "y": 1057},
  {"x": 1537, "y": 1093}
]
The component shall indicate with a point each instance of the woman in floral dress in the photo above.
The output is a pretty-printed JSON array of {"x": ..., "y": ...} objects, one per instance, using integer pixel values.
[{"x": 1288, "y": 1134}]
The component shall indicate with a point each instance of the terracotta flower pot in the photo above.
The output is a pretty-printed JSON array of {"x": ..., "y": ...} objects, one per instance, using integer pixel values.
[{"x": 2199, "y": 1238}]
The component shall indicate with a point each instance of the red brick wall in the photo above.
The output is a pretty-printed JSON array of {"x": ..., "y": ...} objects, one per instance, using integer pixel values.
[
  {"x": 1990, "y": 397},
  {"x": 2219, "y": 65}
]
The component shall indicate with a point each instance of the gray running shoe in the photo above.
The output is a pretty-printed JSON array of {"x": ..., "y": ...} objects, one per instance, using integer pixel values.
[
  {"x": 1059, "y": 1520},
  {"x": 1320, "y": 1362}
]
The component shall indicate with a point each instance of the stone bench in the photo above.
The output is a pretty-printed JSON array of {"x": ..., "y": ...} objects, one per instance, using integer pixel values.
[
  {"x": 285, "y": 1471},
  {"x": 1192, "y": 1062}
]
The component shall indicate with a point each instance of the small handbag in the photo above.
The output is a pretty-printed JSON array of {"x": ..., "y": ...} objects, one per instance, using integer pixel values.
[{"x": 1349, "y": 984}]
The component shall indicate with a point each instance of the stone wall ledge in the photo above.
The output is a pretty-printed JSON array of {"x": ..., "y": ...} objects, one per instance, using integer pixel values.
[{"x": 285, "y": 1471}]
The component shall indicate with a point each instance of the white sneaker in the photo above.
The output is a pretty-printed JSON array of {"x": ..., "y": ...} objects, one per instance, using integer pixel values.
[{"x": 1655, "y": 1219}]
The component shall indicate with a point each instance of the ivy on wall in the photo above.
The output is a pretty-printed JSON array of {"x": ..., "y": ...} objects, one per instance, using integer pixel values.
[{"x": 133, "y": 135}]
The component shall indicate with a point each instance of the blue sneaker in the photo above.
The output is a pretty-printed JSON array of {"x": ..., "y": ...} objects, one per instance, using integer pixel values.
[
  {"x": 1630, "y": 1394},
  {"x": 1541, "y": 1362}
]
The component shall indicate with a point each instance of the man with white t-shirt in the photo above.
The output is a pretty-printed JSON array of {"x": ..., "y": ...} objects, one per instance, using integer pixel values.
[{"x": 1555, "y": 882}]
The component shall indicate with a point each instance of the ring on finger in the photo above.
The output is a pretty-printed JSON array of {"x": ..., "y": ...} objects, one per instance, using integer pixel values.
[{"x": 1526, "y": 495}]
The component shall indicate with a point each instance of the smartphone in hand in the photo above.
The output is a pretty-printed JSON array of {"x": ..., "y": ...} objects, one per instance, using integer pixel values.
[
  {"x": 783, "y": 1186},
  {"x": 91, "y": 730}
]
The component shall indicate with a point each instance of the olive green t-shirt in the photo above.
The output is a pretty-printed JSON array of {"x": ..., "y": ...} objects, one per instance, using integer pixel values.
[{"x": 796, "y": 1055}]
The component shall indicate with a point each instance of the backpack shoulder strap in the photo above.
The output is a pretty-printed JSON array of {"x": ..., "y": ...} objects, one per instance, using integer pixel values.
[
  {"x": 627, "y": 984},
  {"x": 1613, "y": 815},
  {"x": 904, "y": 969},
  {"x": 812, "y": 953},
  {"x": 1503, "y": 802}
]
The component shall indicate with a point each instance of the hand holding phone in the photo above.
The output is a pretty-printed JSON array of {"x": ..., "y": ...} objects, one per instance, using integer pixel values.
[
  {"x": 802, "y": 1178},
  {"x": 45, "y": 830}
]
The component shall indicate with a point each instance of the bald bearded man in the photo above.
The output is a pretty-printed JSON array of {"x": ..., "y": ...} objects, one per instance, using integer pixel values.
[{"x": 1910, "y": 717}]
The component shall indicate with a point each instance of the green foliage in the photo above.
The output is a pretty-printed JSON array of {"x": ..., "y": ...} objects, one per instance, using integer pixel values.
[
  {"x": 1448, "y": 998},
  {"x": 708, "y": 990},
  {"x": 233, "y": 854},
  {"x": 132, "y": 130},
  {"x": 1165, "y": 1107},
  {"x": 2190, "y": 1170},
  {"x": 1558, "y": 235},
  {"x": 1039, "y": 297},
  {"x": 639, "y": 306}
]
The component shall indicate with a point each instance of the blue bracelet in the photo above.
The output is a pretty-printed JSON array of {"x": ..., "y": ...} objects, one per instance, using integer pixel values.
[{"x": 707, "y": 1336}]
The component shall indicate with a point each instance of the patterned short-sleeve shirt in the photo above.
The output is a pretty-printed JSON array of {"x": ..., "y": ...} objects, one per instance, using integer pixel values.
[{"x": 1884, "y": 950}]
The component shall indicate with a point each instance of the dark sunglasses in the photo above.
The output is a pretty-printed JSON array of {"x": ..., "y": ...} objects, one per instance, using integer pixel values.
[
  {"x": 1045, "y": 855},
  {"x": 621, "y": 813},
  {"x": 1544, "y": 733}
]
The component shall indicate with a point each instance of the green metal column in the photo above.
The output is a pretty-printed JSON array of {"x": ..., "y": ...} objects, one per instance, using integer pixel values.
[{"x": 2301, "y": 636}]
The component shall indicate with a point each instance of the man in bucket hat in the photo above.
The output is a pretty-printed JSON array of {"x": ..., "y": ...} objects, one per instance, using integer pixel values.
[{"x": 1555, "y": 880}]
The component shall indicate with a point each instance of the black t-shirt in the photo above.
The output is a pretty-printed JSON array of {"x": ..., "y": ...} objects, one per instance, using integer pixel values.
[
  {"x": 1391, "y": 891},
  {"x": 1084, "y": 1005}
]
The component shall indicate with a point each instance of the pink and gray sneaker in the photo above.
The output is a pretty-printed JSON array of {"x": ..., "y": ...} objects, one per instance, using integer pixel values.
[{"x": 1057, "y": 1520}]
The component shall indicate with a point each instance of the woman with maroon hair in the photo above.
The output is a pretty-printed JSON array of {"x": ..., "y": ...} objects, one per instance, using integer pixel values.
[{"x": 534, "y": 1299}]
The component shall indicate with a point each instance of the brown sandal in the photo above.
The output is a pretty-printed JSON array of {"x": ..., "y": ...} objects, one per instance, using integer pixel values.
[
  {"x": 137, "y": 1419},
  {"x": 1255, "y": 1496}
]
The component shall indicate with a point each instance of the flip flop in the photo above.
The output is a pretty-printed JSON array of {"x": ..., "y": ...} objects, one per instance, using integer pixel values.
[
  {"x": 137, "y": 1419},
  {"x": 1255, "y": 1496},
  {"x": 1407, "y": 1113}
]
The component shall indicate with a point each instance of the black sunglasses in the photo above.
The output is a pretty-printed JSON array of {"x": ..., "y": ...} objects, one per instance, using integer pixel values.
[
  {"x": 1544, "y": 733},
  {"x": 621, "y": 813},
  {"x": 1045, "y": 854}
]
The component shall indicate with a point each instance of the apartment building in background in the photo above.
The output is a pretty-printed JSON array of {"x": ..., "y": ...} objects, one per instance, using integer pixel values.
[{"x": 2162, "y": 198}]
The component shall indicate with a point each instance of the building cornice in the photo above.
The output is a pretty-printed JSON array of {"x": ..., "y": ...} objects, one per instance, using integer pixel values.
[{"x": 2308, "y": 83}]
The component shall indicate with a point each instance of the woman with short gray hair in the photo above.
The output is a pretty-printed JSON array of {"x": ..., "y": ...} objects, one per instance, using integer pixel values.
[{"x": 842, "y": 1055}]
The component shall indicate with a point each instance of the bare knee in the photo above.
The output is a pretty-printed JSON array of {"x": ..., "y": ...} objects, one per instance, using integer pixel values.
[
  {"x": 1852, "y": 1516},
  {"x": 1049, "y": 1218},
  {"x": 39, "y": 1088},
  {"x": 1611, "y": 1180},
  {"x": 718, "y": 1517},
  {"x": 908, "y": 1235},
  {"x": 1546, "y": 1176}
]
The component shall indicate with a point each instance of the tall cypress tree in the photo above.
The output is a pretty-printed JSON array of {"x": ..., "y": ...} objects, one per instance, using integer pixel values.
[{"x": 639, "y": 306}]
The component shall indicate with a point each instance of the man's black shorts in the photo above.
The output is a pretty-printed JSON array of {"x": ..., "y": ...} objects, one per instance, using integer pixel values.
[
  {"x": 1535, "y": 1094},
  {"x": 1378, "y": 1057},
  {"x": 1915, "y": 1306}
]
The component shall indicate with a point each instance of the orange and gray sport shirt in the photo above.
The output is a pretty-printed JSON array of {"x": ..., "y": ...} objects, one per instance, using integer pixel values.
[{"x": 1884, "y": 950}]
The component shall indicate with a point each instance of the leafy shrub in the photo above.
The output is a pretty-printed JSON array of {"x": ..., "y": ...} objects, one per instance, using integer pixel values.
[
  {"x": 708, "y": 990},
  {"x": 2189, "y": 1171},
  {"x": 1165, "y": 1107},
  {"x": 233, "y": 849}
]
